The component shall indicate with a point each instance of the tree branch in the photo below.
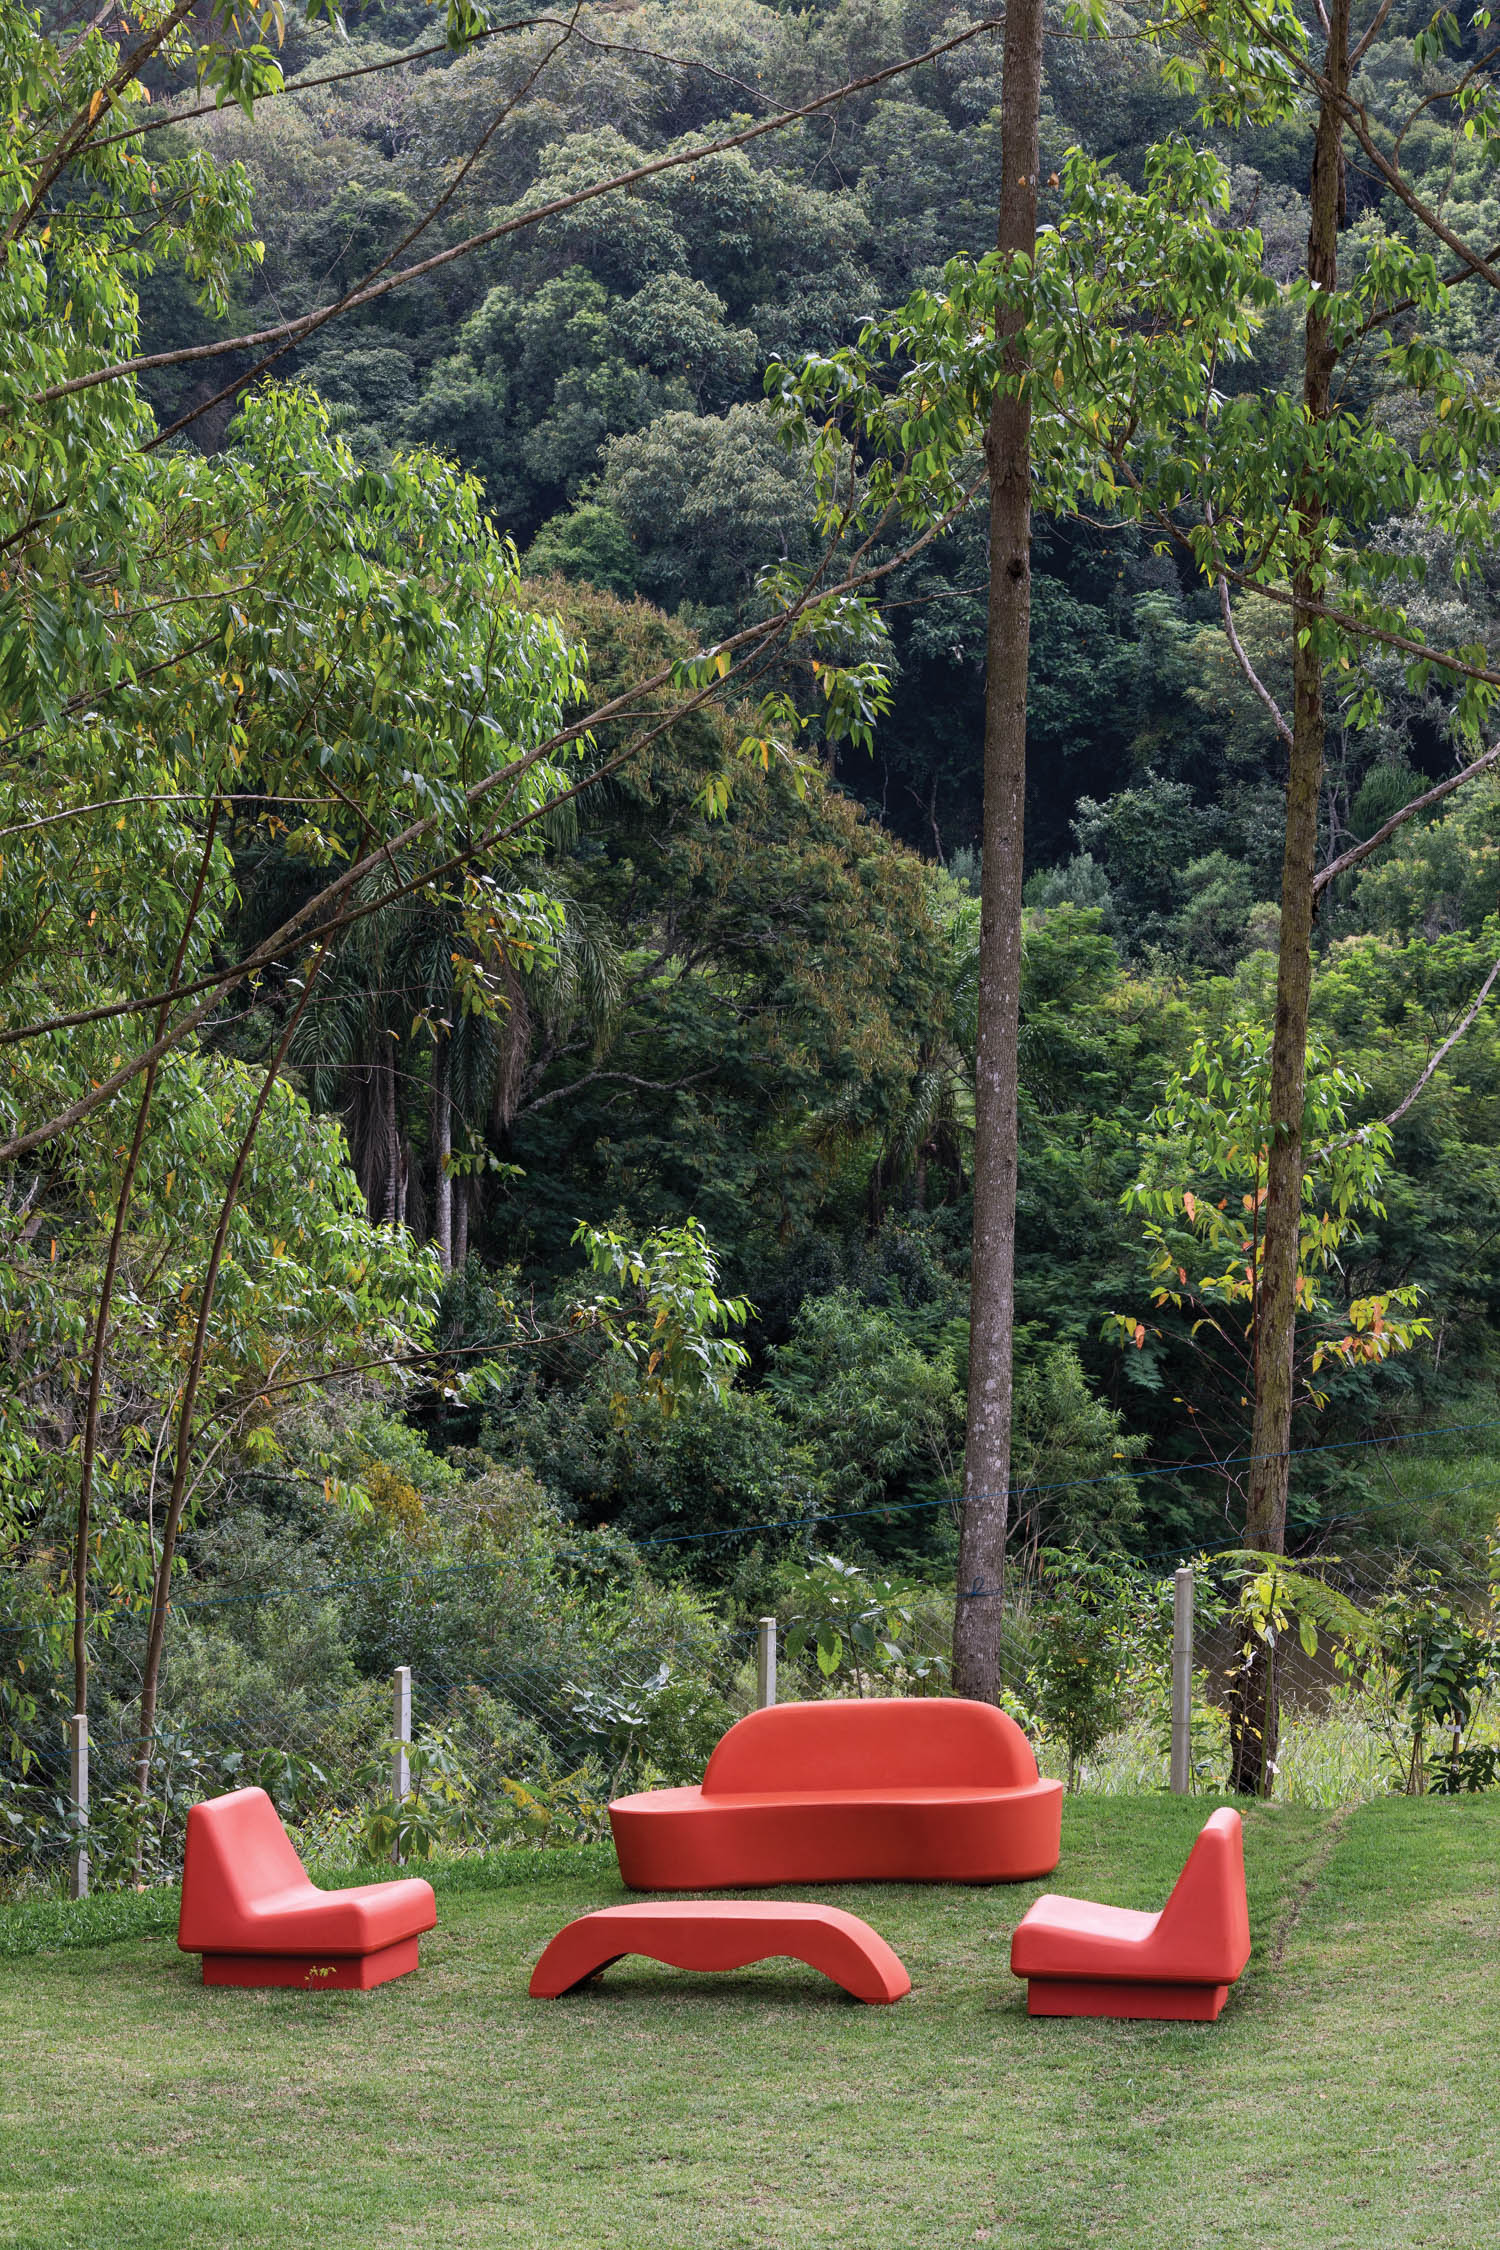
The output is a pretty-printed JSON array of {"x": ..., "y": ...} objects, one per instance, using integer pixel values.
[
  {"x": 1447, "y": 1047},
  {"x": 1433, "y": 796},
  {"x": 1252, "y": 677}
]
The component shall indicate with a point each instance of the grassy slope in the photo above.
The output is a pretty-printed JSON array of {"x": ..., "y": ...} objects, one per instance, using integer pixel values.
[{"x": 1345, "y": 2098}]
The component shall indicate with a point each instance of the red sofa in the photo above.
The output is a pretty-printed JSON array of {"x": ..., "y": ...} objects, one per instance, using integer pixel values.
[
  {"x": 250, "y": 1909},
  {"x": 902, "y": 1789},
  {"x": 1085, "y": 1960}
]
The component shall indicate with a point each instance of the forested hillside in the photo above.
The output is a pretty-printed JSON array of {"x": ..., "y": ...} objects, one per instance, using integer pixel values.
[{"x": 490, "y": 1039}]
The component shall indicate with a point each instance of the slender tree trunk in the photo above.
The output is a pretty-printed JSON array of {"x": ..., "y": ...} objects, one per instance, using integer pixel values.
[
  {"x": 84, "y": 1522},
  {"x": 390, "y": 1135},
  {"x": 161, "y": 1589},
  {"x": 442, "y": 1119},
  {"x": 461, "y": 1190},
  {"x": 1253, "y": 1715},
  {"x": 981, "y": 1554}
]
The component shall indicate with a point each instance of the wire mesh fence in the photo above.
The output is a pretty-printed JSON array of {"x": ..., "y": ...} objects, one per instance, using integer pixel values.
[{"x": 394, "y": 1736}]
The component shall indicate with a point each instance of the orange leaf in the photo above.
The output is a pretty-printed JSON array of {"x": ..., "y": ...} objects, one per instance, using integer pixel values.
[
  {"x": 1140, "y": 1335},
  {"x": 1189, "y": 1203}
]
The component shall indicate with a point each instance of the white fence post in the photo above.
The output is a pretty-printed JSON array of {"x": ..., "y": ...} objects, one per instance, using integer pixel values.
[
  {"x": 1182, "y": 1682},
  {"x": 78, "y": 1797},
  {"x": 400, "y": 1771},
  {"x": 765, "y": 1668}
]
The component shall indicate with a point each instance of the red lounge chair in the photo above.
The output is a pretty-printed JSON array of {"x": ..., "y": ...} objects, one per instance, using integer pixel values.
[
  {"x": 250, "y": 1910},
  {"x": 1083, "y": 1960},
  {"x": 906, "y": 1789},
  {"x": 724, "y": 1934}
]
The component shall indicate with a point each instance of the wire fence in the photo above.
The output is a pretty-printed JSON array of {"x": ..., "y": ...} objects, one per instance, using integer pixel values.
[
  {"x": 521, "y": 1722},
  {"x": 392, "y": 1759}
]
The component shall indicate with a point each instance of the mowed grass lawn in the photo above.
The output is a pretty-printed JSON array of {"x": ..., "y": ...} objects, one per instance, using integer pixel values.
[{"x": 1350, "y": 2094}]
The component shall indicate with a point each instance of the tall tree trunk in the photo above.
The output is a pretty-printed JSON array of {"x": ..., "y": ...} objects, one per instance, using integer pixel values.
[
  {"x": 461, "y": 1192},
  {"x": 981, "y": 1554},
  {"x": 390, "y": 1135},
  {"x": 442, "y": 1120},
  {"x": 1254, "y": 1720}
]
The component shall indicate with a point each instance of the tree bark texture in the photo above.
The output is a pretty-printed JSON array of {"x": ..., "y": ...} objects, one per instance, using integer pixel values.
[
  {"x": 1253, "y": 1712},
  {"x": 981, "y": 1558}
]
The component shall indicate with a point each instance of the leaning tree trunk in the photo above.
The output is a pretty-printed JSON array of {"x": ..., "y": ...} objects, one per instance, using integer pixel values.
[
  {"x": 161, "y": 1587},
  {"x": 1254, "y": 1721},
  {"x": 981, "y": 1553}
]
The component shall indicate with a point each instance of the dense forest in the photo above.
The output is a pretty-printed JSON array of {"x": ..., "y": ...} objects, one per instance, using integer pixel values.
[{"x": 577, "y": 1198}]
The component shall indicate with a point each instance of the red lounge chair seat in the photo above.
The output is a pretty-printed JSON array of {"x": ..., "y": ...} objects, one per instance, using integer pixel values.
[
  {"x": 1086, "y": 1960},
  {"x": 724, "y": 1934},
  {"x": 917, "y": 1789},
  {"x": 250, "y": 1910}
]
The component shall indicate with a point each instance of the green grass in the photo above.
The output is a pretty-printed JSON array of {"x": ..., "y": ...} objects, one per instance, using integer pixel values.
[
  {"x": 56, "y": 1924},
  {"x": 1346, "y": 2097}
]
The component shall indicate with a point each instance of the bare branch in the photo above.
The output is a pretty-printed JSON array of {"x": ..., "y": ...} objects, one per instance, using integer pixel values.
[
  {"x": 1367, "y": 41},
  {"x": 1252, "y": 677},
  {"x": 1448, "y": 1045},
  {"x": 1466, "y": 1022},
  {"x": 614, "y": 1077},
  {"x": 1429, "y": 797}
]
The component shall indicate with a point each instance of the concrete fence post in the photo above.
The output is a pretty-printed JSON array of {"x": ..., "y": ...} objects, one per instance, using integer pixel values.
[
  {"x": 78, "y": 1799},
  {"x": 1182, "y": 1682},
  {"x": 765, "y": 1667},
  {"x": 401, "y": 1729}
]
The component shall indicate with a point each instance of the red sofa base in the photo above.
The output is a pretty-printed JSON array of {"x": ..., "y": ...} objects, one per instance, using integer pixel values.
[
  {"x": 348, "y": 1972},
  {"x": 1096, "y": 1996},
  {"x": 686, "y": 1840}
]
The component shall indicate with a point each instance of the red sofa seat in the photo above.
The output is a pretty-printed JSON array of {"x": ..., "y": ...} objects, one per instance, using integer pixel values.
[
  {"x": 1085, "y": 1960},
  {"x": 724, "y": 1934},
  {"x": 900, "y": 1789},
  {"x": 249, "y": 1907}
]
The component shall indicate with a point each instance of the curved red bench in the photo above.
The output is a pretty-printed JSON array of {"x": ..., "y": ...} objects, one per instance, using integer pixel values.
[
  {"x": 1085, "y": 1960},
  {"x": 250, "y": 1909},
  {"x": 724, "y": 1934},
  {"x": 919, "y": 1789}
]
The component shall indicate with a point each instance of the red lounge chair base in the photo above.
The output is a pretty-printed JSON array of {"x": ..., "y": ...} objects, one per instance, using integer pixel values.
[
  {"x": 724, "y": 1934},
  {"x": 1160, "y": 2003},
  {"x": 355, "y": 1972},
  {"x": 1080, "y": 1959},
  {"x": 928, "y": 1789}
]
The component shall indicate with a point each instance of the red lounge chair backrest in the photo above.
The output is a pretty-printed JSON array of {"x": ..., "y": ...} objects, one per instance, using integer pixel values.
[
  {"x": 237, "y": 1854},
  {"x": 895, "y": 1742},
  {"x": 1205, "y": 1919}
]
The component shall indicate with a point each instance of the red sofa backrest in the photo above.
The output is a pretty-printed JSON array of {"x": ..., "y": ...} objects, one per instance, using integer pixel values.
[
  {"x": 896, "y": 1742},
  {"x": 1206, "y": 1918},
  {"x": 237, "y": 1854}
]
